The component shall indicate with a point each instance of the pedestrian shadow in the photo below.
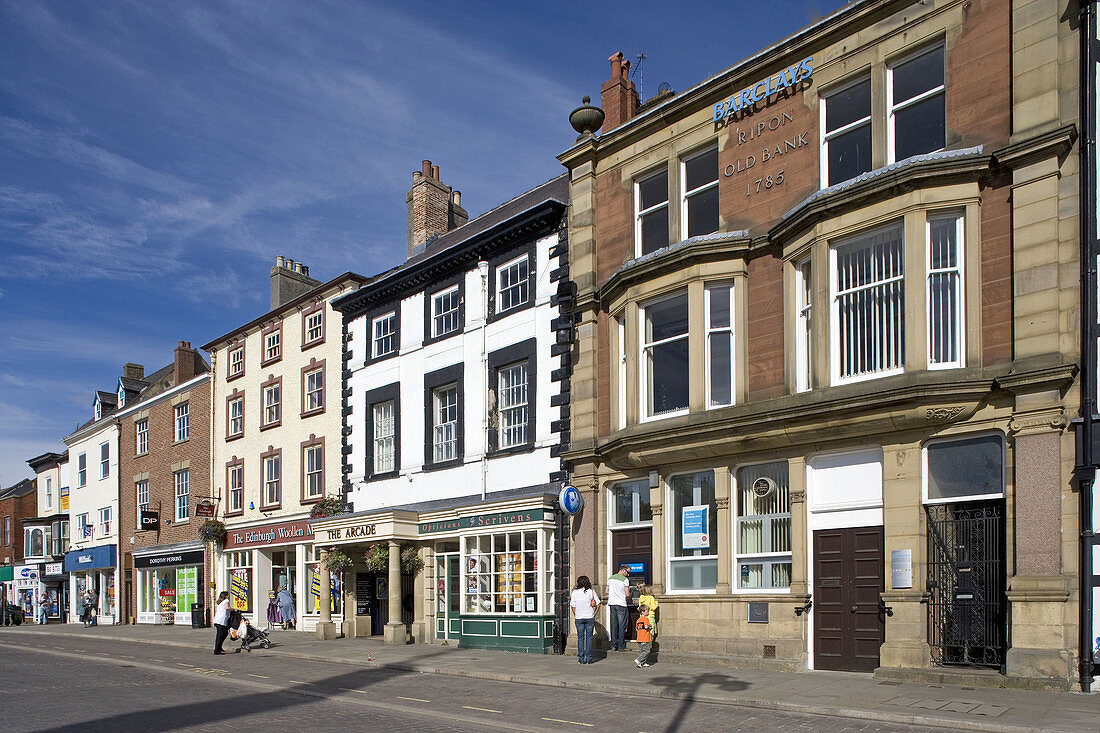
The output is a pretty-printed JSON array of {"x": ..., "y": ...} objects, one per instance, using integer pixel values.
[{"x": 687, "y": 688}]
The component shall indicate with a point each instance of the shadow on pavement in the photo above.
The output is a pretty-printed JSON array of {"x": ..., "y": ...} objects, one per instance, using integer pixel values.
[{"x": 687, "y": 687}]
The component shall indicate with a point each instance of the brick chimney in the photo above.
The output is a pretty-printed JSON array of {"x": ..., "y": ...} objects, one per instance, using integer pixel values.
[
  {"x": 184, "y": 367},
  {"x": 289, "y": 279},
  {"x": 620, "y": 98},
  {"x": 131, "y": 370},
  {"x": 432, "y": 207}
]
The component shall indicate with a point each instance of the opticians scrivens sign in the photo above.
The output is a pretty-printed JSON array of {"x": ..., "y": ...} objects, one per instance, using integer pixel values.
[{"x": 761, "y": 91}]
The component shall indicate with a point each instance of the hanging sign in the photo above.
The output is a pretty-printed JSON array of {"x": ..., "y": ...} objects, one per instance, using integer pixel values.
[
  {"x": 695, "y": 534},
  {"x": 150, "y": 520},
  {"x": 570, "y": 500},
  {"x": 205, "y": 509}
]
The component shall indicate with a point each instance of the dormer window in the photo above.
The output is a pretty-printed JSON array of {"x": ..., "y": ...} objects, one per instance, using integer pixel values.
[
  {"x": 121, "y": 396},
  {"x": 98, "y": 409}
]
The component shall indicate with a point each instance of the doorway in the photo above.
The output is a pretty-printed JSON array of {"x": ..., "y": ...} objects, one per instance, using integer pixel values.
[
  {"x": 448, "y": 597},
  {"x": 849, "y": 575}
]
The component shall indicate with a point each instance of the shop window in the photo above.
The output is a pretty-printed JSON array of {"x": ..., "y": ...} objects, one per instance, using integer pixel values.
[
  {"x": 502, "y": 573},
  {"x": 915, "y": 99},
  {"x": 384, "y": 335},
  {"x": 665, "y": 355},
  {"x": 182, "y": 422},
  {"x": 630, "y": 503},
  {"x": 945, "y": 291},
  {"x": 81, "y": 471},
  {"x": 699, "y": 210},
  {"x": 803, "y": 275},
  {"x": 693, "y": 524},
  {"x": 104, "y": 460},
  {"x": 239, "y": 579},
  {"x": 141, "y": 436},
  {"x": 846, "y": 139},
  {"x": 651, "y": 213},
  {"x": 234, "y": 481},
  {"x": 869, "y": 305},
  {"x": 513, "y": 284},
  {"x": 720, "y": 344},
  {"x": 182, "y": 481},
  {"x": 964, "y": 469},
  {"x": 763, "y": 534},
  {"x": 313, "y": 580}
]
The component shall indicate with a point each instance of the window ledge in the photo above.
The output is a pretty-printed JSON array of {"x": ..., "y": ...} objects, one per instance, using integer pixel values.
[
  {"x": 231, "y": 377},
  {"x": 235, "y": 436},
  {"x": 311, "y": 413},
  {"x": 271, "y": 425},
  {"x": 311, "y": 344},
  {"x": 443, "y": 465},
  {"x": 181, "y": 442},
  {"x": 382, "y": 476},
  {"x": 273, "y": 360}
]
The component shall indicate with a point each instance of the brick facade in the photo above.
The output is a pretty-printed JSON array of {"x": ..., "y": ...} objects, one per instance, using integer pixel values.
[{"x": 14, "y": 509}]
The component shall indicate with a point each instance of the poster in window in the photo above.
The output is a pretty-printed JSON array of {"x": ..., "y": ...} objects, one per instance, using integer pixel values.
[
  {"x": 239, "y": 588},
  {"x": 187, "y": 588},
  {"x": 695, "y": 535},
  {"x": 314, "y": 602}
]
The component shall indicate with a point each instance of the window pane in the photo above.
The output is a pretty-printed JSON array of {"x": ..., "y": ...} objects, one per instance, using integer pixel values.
[
  {"x": 653, "y": 190},
  {"x": 655, "y": 230},
  {"x": 721, "y": 368},
  {"x": 850, "y": 154},
  {"x": 920, "y": 128},
  {"x": 668, "y": 381},
  {"x": 847, "y": 106},
  {"x": 689, "y": 490},
  {"x": 968, "y": 467},
  {"x": 701, "y": 170},
  {"x": 870, "y": 296},
  {"x": 702, "y": 214},
  {"x": 918, "y": 75},
  {"x": 667, "y": 318}
]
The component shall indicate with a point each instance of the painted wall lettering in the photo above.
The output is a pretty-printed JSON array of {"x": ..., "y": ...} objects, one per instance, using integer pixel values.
[{"x": 761, "y": 91}]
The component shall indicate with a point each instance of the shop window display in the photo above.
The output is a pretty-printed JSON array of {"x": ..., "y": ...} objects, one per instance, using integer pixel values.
[{"x": 502, "y": 573}]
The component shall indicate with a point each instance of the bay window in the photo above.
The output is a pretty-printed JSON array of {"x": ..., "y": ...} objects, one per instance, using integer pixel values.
[
  {"x": 699, "y": 209},
  {"x": 803, "y": 275},
  {"x": 665, "y": 355},
  {"x": 763, "y": 533},
  {"x": 651, "y": 213},
  {"x": 915, "y": 100},
  {"x": 719, "y": 315},
  {"x": 846, "y": 126},
  {"x": 693, "y": 524},
  {"x": 945, "y": 291},
  {"x": 502, "y": 573}
]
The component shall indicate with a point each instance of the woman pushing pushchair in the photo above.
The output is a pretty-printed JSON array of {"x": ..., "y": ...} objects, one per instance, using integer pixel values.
[{"x": 246, "y": 633}]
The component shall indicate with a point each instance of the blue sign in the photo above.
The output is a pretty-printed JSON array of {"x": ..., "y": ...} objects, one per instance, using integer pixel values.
[
  {"x": 103, "y": 556},
  {"x": 570, "y": 500},
  {"x": 759, "y": 92},
  {"x": 636, "y": 568},
  {"x": 695, "y": 534}
]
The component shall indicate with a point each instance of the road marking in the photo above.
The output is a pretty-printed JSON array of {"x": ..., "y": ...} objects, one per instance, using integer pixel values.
[
  {"x": 182, "y": 664},
  {"x": 126, "y": 656},
  {"x": 484, "y": 710},
  {"x": 159, "y": 660},
  {"x": 61, "y": 648},
  {"x": 361, "y": 692},
  {"x": 296, "y": 682},
  {"x": 261, "y": 676},
  {"x": 414, "y": 699},
  {"x": 570, "y": 722}
]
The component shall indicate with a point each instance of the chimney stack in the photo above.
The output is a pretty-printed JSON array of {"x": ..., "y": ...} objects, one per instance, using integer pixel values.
[
  {"x": 620, "y": 98},
  {"x": 432, "y": 208},
  {"x": 131, "y": 370},
  {"x": 289, "y": 279},
  {"x": 184, "y": 367}
]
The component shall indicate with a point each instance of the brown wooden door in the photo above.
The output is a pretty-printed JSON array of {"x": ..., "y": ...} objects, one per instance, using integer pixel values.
[
  {"x": 633, "y": 546},
  {"x": 848, "y": 582}
]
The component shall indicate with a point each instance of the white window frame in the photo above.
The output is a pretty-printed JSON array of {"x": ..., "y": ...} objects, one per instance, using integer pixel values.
[
  {"x": 105, "y": 521},
  {"x": 236, "y": 487},
  {"x": 959, "y": 273},
  {"x": 712, "y": 330},
  {"x": 803, "y": 350},
  {"x": 49, "y": 492},
  {"x": 98, "y": 409},
  {"x": 81, "y": 470},
  {"x": 836, "y": 296},
  {"x": 482, "y": 570},
  {"x": 383, "y": 457},
  {"x": 141, "y": 490},
  {"x": 830, "y": 135},
  {"x": 121, "y": 396},
  {"x": 441, "y": 318},
  {"x": 104, "y": 460},
  {"x": 444, "y": 432},
  {"x": 181, "y": 422},
  {"x": 640, "y": 213},
  {"x": 892, "y": 109},
  {"x": 613, "y": 508},
  {"x": 272, "y": 404},
  {"x": 315, "y": 391},
  {"x": 766, "y": 558},
  {"x": 236, "y": 416},
  {"x": 236, "y": 361},
  {"x": 314, "y": 459},
  {"x": 671, "y": 525},
  {"x": 513, "y": 403},
  {"x": 273, "y": 475},
  {"x": 620, "y": 329},
  {"x": 314, "y": 330},
  {"x": 962, "y": 499},
  {"x": 182, "y": 482},
  {"x": 141, "y": 436},
  {"x": 273, "y": 345},
  {"x": 521, "y": 266},
  {"x": 686, "y": 195},
  {"x": 381, "y": 336},
  {"x": 28, "y": 542},
  {"x": 87, "y": 530},
  {"x": 644, "y": 347}
]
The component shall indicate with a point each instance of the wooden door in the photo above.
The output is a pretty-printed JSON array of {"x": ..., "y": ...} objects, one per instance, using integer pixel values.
[{"x": 849, "y": 578}]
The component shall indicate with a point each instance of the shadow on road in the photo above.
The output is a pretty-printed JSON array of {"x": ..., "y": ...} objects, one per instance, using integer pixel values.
[{"x": 688, "y": 687}]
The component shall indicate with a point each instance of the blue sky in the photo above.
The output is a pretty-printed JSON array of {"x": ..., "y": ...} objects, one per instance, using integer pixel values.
[{"x": 155, "y": 157}]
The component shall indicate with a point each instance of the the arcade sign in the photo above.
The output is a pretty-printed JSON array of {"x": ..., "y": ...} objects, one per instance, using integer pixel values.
[{"x": 761, "y": 91}]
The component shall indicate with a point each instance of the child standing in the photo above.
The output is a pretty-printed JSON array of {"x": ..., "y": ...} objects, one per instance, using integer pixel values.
[
  {"x": 645, "y": 638},
  {"x": 646, "y": 599}
]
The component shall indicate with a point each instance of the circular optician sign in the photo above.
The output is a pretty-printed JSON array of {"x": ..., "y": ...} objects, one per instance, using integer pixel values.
[{"x": 570, "y": 499}]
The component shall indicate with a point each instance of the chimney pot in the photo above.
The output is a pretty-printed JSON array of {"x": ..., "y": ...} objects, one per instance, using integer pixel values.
[
  {"x": 456, "y": 198},
  {"x": 435, "y": 172},
  {"x": 279, "y": 261},
  {"x": 426, "y": 168}
]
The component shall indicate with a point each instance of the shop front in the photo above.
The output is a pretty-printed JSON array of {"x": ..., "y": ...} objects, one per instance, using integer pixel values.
[
  {"x": 484, "y": 571},
  {"x": 93, "y": 569},
  {"x": 258, "y": 561},
  {"x": 57, "y": 591},
  {"x": 27, "y": 589},
  {"x": 6, "y": 577},
  {"x": 169, "y": 582}
]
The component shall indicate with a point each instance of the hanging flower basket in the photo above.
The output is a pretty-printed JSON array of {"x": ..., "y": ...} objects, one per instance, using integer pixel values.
[
  {"x": 328, "y": 507},
  {"x": 377, "y": 557},
  {"x": 212, "y": 531},
  {"x": 337, "y": 561},
  {"x": 411, "y": 562}
]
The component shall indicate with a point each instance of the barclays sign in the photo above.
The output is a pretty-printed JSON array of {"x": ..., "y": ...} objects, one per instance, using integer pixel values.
[{"x": 784, "y": 82}]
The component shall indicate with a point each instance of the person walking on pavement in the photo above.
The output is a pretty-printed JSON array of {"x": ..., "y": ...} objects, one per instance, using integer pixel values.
[
  {"x": 618, "y": 590},
  {"x": 221, "y": 622},
  {"x": 43, "y": 608},
  {"x": 645, "y": 636},
  {"x": 584, "y": 602},
  {"x": 286, "y": 607}
]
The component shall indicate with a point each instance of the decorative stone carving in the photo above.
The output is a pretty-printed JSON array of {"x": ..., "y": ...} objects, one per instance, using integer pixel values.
[
  {"x": 723, "y": 503},
  {"x": 798, "y": 496},
  {"x": 1039, "y": 422},
  {"x": 943, "y": 414},
  {"x": 656, "y": 509}
]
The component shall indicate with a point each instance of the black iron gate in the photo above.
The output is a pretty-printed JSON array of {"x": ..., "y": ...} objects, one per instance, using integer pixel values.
[{"x": 966, "y": 584}]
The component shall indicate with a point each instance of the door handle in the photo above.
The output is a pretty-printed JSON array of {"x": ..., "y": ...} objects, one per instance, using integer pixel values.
[{"x": 854, "y": 607}]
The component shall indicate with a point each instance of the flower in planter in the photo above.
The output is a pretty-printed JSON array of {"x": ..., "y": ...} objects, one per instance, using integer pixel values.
[
  {"x": 337, "y": 560},
  {"x": 377, "y": 557},
  {"x": 212, "y": 531},
  {"x": 411, "y": 562},
  {"x": 328, "y": 507}
]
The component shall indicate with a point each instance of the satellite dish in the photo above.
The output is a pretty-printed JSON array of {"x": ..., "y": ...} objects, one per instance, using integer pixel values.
[{"x": 763, "y": 487}]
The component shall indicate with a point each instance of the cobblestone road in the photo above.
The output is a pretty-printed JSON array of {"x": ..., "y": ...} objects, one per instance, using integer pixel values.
[{"x": 116, "y": 686}]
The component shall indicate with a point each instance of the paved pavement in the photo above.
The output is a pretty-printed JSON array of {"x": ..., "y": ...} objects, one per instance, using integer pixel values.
[{"x": 859, "y": 697}]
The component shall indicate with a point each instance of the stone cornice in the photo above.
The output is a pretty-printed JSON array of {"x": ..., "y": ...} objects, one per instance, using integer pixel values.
[
  {"x": 1059, "y": 376},
  {"x": 1053, "y": 143}
]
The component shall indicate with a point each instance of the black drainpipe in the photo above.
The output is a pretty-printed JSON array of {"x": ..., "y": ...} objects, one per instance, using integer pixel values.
[{"x": 1085, "y": 469}]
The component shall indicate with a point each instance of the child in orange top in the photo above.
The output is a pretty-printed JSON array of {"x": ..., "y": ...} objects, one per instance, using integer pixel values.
[{"x": 645, "y": 638}]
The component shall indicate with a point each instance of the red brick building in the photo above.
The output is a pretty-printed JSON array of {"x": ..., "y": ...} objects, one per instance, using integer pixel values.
[
  {"x": 17, "y": 502},
  {"x": 164, "y": 471}
]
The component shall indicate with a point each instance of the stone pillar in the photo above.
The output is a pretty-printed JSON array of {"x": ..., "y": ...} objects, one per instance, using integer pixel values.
[
  {"x": 657, "y": 506},
  {"x": 421, "y": 625},
  {"x": 722, "y": 502},
  {"x": 902, "y": 508},
  {"x": 395, "y": 628},
  {"x": 325, "y": 628}
]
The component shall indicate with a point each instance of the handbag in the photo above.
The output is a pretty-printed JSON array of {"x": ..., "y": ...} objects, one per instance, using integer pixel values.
[{"x": 595, "y": 603}]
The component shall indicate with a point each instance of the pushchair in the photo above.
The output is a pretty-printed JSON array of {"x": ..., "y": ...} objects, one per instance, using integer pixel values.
[{"x": 246, "y": 633}]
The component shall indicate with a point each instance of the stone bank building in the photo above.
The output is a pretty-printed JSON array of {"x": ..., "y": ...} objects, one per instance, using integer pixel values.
[{"x": 827, "y": 345}]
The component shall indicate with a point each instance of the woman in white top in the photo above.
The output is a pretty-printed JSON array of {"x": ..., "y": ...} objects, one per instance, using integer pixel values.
[
  {"x": 584, "y": 602},
  {"x": 221, "y": 622}
]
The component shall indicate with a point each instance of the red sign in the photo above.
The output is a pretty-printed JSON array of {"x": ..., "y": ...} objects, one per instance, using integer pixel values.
[
  {"x": 204, "y": 509},
  {"x": 286, "y": 533}
]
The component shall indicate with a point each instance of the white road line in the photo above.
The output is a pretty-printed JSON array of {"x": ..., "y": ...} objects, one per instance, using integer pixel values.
[
  {"x": 570, "y": 722},
  {"x": 484, "y": 710},
  {"x": 261, "y": 676},
  {"x": 361, "y": 692},
  {"x": 414, "y": 699},
  {"x": 296, "y": 682}
]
